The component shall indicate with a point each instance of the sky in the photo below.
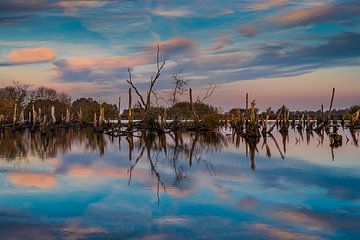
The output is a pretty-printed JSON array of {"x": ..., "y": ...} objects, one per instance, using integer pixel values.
[{"x": 279, "y": 51}]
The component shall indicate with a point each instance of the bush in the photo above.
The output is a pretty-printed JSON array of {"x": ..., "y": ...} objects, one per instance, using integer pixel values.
[{"x": 211, "y": 121}]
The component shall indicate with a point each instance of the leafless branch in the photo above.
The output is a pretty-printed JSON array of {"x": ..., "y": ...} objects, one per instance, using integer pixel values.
[
  {"x": 209, "y": 92},
  {"x": 129, "y": 81},
  {"x": 179, "y": 89}
]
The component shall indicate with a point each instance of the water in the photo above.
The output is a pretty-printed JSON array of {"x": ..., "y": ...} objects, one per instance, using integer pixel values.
[{"x": 80, "y": 185}]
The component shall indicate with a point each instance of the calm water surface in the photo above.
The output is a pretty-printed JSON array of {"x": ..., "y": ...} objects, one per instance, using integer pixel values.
[{"x": 80, "y": 185}]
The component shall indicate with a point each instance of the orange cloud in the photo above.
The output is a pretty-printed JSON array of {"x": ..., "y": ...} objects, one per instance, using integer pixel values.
[
  {"x": 179, "y": 43},
  {"x": 73, "y": 5},
  {"x": 30, "y": 55},
  {"x": 97, "y": 171},
  {"x": 303, "y": 16},
  {"x": 278, "y": 233},
  {"x": 247, "y": 203},
  {"x": 248, "y": 30},
  {"x": 300, "y": 218},
  {"x": 74, "y": 231},
  {"x": 266, "y": 4},
  {"x": 78, "y": 63},
  {"x": 39, "y": 180}
]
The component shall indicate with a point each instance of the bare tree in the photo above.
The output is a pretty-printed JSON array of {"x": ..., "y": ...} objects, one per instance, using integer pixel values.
[
  {"x": 209, "y": 91},
  {"x": 145, "y": 104},
  {"x": 179, "y": 88}
]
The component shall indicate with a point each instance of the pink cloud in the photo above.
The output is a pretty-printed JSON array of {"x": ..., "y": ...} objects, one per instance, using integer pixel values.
[
  {"x": 247, "y": 203},
  {"x": 73, "y": 5},
  {"x": 300, "y": 218},
  {"x": 170, "y": 13},
  {"x": 248, "y": 30},
  {"x": 178, "y": 45},
  {"x": 297, "y": 16},
  {"x": 264, "y": 5},
  {"x": 30, "y": 55},
  {"x": 278, "y": 233},
  {"x": 73, "y": 231},
  {"x": 80, "y": 171},
  {"x": 95, "y": 68},
  {"x": 78, "y": 63},
  {"x": 39, "y": 180},
  {"x": 218, "y": 45}
]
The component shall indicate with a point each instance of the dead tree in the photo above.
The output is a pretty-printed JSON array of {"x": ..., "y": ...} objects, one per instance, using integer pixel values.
[
  {"x": 209, "y": 91},
  {"x": 179, "y": 88},
  {"x": 331, "y": 103},
  {"x": 145, "y": 102}
]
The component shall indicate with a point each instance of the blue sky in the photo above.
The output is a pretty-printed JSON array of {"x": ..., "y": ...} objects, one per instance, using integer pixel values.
[{"x": 277, "y": 50}]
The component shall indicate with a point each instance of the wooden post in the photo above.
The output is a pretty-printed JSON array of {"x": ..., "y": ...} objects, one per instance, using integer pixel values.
[
  {"x": 14, "y": 117},
  {"x": 101, "y": 116},
  {"x": 67, "y": 120},
  {"x": 39, "y": 115},
  {"x": 331, "y": 103},
  {"x": 53, "y": 114},
  {"x": 119, "y": 110},
  {"x": 34, "y": 117},
  {"x": 80, "y": 116},
  {"x": 95, "y": 120},
  {"x": 247, "y": 106},
  {"x": 191, "y": 99},
  {"x": 130, "y": 110},
  {"x": 192, "y": 106},
  {"x": 22, "y": 118},
  {"x": 252, "y": 113},
  {"x": 322, "y": 110}
]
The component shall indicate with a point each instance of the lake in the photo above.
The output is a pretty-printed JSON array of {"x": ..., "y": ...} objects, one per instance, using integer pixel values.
[{"x": 77, "y": 184}]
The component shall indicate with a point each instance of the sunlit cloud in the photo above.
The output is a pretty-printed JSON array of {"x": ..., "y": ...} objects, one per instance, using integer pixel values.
[
  {"x": 74, "y": 231},
  {"x": 43, "y": 5},
  {"x": 73, "y": 5},
  {"x": 171, "y": 13},
  {"x": 175, "y": 47},
  {"x": 247, "y": 30},
  {"x": 247, "y": 203},
  {"x": 316, "y": 14},
  {"x": 279, "y": 233},
  {"x": 29, "y": 55},
  {"x": 264, "y": 5},
  {"x": 301, "y": 218},
  {"x": 39, "y": 180}
]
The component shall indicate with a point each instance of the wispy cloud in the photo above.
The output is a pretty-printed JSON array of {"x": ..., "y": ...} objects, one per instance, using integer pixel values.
[
  {"x": 247, "y": 30},
  {"x": 171, "y": 13},
  {"x": 316, "y": 14},
  {"x": 40, "y": 5},
  {"x": 264, "y": 5},
  {"x": 99, "y": 69}
]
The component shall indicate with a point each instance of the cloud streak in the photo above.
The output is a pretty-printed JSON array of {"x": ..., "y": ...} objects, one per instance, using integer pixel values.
[
  {"x": 265, "y": 5},
  {"x": 29, "y": 55},
  {"x": 171, "y": 13},
  {"x": 317, "y": 14}
]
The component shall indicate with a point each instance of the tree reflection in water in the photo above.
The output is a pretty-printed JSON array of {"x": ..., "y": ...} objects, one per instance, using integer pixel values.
[{"x": 173, "y": 152}]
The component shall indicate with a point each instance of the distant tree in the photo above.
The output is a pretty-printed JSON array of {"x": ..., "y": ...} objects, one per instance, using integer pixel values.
[
  {"x": 44, "y": 98},
  {"x": 89, "y": 106},
  {"x": 354, "y": 109},
  {"x": 18, "y": 93},
  {"x": 183, "y": 110}
]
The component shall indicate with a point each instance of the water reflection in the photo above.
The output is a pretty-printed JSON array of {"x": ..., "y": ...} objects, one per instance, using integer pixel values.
[{"x": 83, "y": 185}]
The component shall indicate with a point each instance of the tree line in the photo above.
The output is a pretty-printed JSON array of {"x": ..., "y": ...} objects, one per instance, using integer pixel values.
[{"x": 42, "y": 99}]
